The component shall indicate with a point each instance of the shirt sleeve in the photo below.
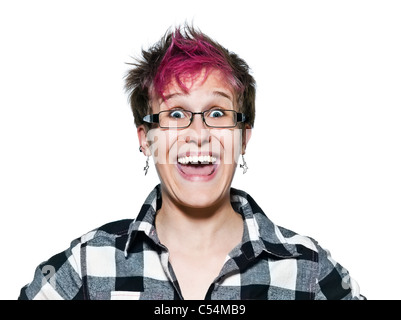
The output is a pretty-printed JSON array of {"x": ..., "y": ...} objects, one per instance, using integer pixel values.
[
  {"x": 58, "y": 278},
  {"x": 334, "y": 281}
]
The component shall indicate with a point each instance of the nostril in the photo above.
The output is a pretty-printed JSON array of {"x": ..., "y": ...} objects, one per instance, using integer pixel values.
[{"x": 199, "y": 137}]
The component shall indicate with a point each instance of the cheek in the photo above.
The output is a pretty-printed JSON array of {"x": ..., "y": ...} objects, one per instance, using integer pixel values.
[
  {"x": 228, "y": 143},
  {"x": 163, "y": 144}
]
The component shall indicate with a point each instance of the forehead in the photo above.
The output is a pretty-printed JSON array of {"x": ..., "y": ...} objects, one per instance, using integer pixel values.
[{"x": 205, "y": 82}]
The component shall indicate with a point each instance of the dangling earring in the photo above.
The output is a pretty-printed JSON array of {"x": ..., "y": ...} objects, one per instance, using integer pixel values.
[
  {"x": 146, "y": 167},
  {"x": 243, "y": 165}
]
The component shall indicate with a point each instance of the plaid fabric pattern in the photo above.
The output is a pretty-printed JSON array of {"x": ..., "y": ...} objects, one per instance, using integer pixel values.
[{"x": 125, "y": 260}]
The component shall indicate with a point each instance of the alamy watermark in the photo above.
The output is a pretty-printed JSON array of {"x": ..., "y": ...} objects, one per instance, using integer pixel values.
[
  {"x": 225, "y": 143},
  {"x": 49, "y": 275}
]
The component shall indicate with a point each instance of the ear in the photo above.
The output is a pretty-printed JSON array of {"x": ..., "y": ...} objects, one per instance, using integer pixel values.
[
  {"x": 246, "y": 136},
  {"x": 143, "y": 141}
]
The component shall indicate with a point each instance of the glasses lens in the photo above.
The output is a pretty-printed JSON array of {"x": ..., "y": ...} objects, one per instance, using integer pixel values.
[
  {"x": 221, "y": 118},
  {"x": 174, "y": 119}
]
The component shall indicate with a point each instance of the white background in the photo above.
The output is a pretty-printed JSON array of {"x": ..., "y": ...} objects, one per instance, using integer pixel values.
[{"x": 324, "y": 159}]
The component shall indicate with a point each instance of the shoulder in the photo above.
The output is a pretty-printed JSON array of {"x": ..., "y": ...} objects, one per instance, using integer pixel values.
[
  {"x": 106, "y": 233},
  {"x": 314, "y": 263},
  {"x": 60, "y": 277},
  {"x": 298, "y": 240},
  {"x": 101, "y": 239},
  {"x": 333, "y": 280},
  {"x": 116, "y": 228},
  {"x": 307, "y": 245}
]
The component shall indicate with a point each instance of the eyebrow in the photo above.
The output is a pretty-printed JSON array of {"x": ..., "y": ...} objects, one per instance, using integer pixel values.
[
  {"x": 169, "y": 96},
  {"x": 223, "y": 94}
]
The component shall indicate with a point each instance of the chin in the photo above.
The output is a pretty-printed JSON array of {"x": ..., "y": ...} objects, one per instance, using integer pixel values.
[
  {"x": 199, "y": 198},
  {"x": 196, "y": 190},
  {"x": 201, "y": 194}
]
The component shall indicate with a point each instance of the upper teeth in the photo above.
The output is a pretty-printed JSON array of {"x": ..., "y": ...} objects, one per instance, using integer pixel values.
[{"x": 196, "y": 159}]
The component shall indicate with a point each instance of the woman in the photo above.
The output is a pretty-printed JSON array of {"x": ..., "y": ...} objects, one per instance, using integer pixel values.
[{"x": 195, "y": 237}]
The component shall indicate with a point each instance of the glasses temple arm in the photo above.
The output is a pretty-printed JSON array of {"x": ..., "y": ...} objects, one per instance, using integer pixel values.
[
  {"x": 151, "y": 118},
  {"x": 241, "y": 117}
]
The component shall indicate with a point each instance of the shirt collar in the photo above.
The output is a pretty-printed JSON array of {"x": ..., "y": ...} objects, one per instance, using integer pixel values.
[{"x": 260, "y": 234}]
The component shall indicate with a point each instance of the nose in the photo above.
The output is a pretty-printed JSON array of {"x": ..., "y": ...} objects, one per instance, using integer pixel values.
[{"x": 198, "y": 132}]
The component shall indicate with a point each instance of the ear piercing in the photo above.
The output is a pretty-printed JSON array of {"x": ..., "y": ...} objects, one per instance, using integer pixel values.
[
  {"x": 243, "y": 165},
  {"x": 146, "y": 167}
]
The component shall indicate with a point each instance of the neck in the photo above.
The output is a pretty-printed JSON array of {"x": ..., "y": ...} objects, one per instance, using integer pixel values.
[{"x": 196, "y": 228}]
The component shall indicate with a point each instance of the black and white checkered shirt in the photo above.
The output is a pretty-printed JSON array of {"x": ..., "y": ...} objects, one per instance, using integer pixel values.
[{"x": 125, "y": 260}]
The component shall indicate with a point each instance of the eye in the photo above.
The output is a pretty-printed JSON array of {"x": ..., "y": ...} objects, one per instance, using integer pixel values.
[
  {"x": 177, "y": 114},
  {"x": 216, "y": 113}
]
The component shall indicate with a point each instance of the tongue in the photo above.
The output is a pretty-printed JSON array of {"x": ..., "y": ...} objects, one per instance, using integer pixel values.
[{"x": 197, "y": 169}]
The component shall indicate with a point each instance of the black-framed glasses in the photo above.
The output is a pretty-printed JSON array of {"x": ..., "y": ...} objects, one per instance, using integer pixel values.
[{"x": 179, "y": 119}]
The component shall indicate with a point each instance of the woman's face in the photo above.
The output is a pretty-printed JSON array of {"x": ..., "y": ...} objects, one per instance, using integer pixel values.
[{"x": 196, "y": 165}]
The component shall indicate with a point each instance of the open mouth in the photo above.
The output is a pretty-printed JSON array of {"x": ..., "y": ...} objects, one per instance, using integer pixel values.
[{"x": 200, "y": 167}]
